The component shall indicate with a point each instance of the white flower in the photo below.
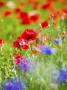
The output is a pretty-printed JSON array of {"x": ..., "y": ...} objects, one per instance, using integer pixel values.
[
  {"x": 32, "y": 13},
  {"x": 11, "y": 4}
]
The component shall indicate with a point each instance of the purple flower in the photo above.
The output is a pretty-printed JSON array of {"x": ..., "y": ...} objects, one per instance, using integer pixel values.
[
  {"x": 14, "y": 84},
  {"x": 57, "y": 40},
  {"x": 62, "y": 75},
  {"x": 26, "y": 65},
  {"x": 47, "y": 50}
]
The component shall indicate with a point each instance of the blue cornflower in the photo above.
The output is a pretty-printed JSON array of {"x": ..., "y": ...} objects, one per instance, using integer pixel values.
[
  {"x": 14, "y": 84},
  {"x": 62, "y": 75},
  {"x": 26, "y": 65},
  {"x": 47, "y": 50},
  {"x": 57, "y": 40}
]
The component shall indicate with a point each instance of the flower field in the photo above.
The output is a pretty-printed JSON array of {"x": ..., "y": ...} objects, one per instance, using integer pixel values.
[{"x": 33, "y": 44}]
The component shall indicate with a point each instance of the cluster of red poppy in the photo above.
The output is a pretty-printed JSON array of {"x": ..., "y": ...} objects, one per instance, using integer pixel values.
[
  {"x": 24, "y": 39},
  {"x": 25, "y": 18}
]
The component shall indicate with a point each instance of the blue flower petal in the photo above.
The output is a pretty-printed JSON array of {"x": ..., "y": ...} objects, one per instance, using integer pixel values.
[
  {"x": 47, "y": 50},
  {"x": 14, "y": 84}
]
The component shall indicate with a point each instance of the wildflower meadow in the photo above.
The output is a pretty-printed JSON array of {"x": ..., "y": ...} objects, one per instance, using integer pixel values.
[{"x": 33, "y": 44}]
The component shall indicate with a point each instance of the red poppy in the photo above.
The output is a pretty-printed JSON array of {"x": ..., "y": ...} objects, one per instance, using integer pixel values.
[
  {"x": 65, "y": 10},
  {"x": 24, "y": 18},
  {"x": 21, "y": 43},
  {"x": 16, "y": 44},
  {"x": 46, "y": 6},
  {"x": 29, "y": 34},
  {"x": 34, "y": 17},
  {"x": 17, "y": 58},
  {"x": 1, "y": 42},
  {"x": 18, "y": 10},
  {"x": 7, "y": 13},
  {"x": 24, "y": 14},
  {"x": 25, "y": 47},
  {"x": 2, "y": 3},
  {"x": 44, "y": 24},
  {"x": 26, "y": 21}
]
